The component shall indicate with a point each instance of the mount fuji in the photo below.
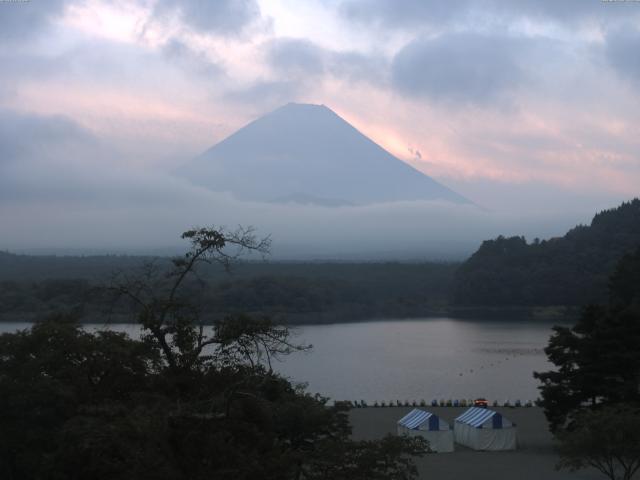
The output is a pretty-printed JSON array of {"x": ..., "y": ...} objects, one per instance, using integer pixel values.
[{"x": 307, "y": 154}]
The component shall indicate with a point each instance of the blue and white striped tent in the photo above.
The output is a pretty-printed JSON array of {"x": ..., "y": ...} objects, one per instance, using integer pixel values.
[
  {"x": 429, "y": 426},
  {"x": 484, "y": 429}
]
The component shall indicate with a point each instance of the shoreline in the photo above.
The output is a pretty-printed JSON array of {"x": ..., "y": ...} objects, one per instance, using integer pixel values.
[{"x": 557, "y": 314}]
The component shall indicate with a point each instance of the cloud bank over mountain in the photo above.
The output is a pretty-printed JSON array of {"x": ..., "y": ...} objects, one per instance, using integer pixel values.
[{"x": 88, "y": 202}]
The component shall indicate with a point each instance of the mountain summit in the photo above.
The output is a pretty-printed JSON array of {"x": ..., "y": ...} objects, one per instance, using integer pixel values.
[{"x": 303, "y": 153}]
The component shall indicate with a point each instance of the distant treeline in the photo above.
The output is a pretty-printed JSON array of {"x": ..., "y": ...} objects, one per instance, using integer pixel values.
[
  {"x": 506, "y": 277},
  {"x": 294, "y": 292},
  {"x": 570, "y": 270}
]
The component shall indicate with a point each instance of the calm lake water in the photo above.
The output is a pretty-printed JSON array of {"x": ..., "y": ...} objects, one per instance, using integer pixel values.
[{"x": 413, "y": 359}]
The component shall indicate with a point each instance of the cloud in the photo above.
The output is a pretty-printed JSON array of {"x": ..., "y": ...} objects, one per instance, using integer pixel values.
[
  {"x": 117, "y": 64},
  {"x": 302, "y": 59},
  {"x": 292, "y": 56},
  {"x": 20, "y": 20},
  {"x": 197, "y": 62},
  {"x": 360, "y": 68},
  {"x": 461, "y": 67},
  {"x": 394, "y": 13},
  {"x": 219, "y": 16},
  {"x": 266, "y": 94},
  {"x": 404, "y": 14},
  {"x": 622, "y": 51},
  {"x": 54, "y": 161},
  {"x": 566, "y": 11},
  {"x": 28, "y": 137},
  {"x": 40, "y": 154}
]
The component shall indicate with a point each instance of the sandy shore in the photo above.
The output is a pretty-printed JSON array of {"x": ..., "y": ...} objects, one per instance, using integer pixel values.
[{"x": 534, "y": 460}]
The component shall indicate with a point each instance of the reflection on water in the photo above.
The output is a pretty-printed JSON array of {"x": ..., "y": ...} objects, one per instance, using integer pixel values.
[{"x": 413, "y": 359}]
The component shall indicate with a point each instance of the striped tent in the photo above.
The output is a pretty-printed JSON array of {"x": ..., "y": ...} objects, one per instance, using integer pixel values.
[
  {"x": 429, "y": 426},
  {"x": 484, "y": 429}
]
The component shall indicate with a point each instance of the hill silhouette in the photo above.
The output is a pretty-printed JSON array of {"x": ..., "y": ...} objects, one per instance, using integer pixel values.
[{"x": 569, "y": 270}]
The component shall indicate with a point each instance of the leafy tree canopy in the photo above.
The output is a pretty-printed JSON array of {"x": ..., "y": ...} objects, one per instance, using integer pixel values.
[{"x": 186, "y": 401}]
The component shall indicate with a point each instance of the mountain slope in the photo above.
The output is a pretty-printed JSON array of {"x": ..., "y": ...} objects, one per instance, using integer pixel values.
[
  {"x": 570, "y": 270},
  {"x": 309, "y": 152}
]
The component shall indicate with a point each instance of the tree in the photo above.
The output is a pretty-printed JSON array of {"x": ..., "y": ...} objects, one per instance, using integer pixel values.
[
  {"x": 598, "y": 359},
  {"x": 624, "y": 285},
  {"x": 51, "y": 373},
  {"x": 607, "y": 439},
  {"x": 592, "y": 399},
  {"x": 189, "y": 401},
  {"x": 171, "y": 319}
]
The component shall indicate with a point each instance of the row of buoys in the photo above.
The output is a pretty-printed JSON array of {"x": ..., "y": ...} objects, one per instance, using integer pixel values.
[
  {"x": 434, "y": 403},
  {"x": 498, "y": 362}
]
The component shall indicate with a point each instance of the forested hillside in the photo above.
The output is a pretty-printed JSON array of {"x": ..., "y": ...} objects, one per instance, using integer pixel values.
[{"x": 569, "y": 270}]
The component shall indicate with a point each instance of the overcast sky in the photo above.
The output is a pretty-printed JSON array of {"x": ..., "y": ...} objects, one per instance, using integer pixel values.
[{"x": 534, "y": 103}]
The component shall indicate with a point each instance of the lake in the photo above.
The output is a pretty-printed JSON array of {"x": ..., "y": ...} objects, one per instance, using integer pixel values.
[{"x": 439, "y": 358}]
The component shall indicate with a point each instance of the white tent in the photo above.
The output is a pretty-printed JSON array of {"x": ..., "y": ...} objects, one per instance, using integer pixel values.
[
  {"x": 483, "y": 429},
  {"x": 429, "y": 426}
]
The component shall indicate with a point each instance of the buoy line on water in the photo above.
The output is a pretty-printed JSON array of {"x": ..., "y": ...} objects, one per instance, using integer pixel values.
[{"x": 463, "y": 403}]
